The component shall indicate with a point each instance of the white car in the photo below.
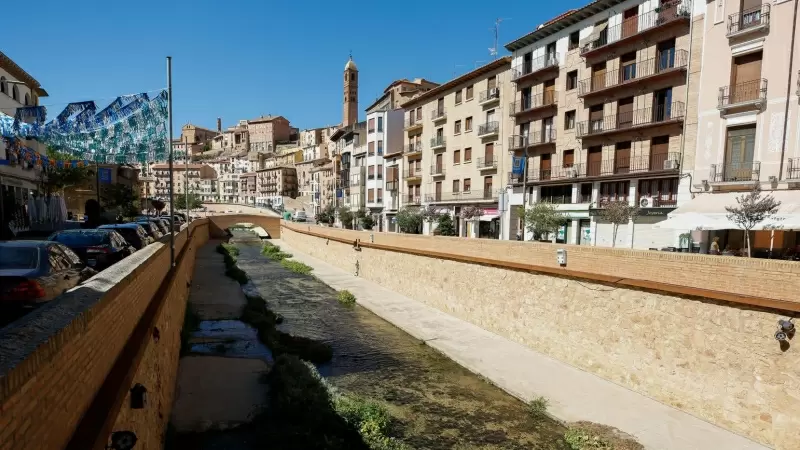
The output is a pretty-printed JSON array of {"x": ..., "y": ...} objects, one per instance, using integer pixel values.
[{"x": 299, "y": 216}]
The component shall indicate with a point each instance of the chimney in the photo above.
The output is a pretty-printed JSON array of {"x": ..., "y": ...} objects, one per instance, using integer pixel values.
[{"x": 219, "y": 124}]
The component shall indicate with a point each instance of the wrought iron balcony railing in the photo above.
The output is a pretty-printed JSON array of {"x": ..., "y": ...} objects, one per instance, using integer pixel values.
[
  {"x": 748, "y": 20},
  {"x": 437, "y": 170},
  {"x": 489, "y": 95},
  {"x": 477, "y": 195},
  {"x": 437, "y": 142},
  {"x": 414, "y": 172},
  {"x": 632, "y": 119},
  {"x": 735, "y": 172},
  {"x": 489, "y": 162},
  {"x": 438, "y": 113},
  {"x": 413, "y": 200},
  {"x": 666, "y": 62},
  {"x": 525, "y": 68},
  {"x": 392, "y": 186},
  {"x": 488, "y": 128},
  {"x": 793, "y": 169},
  {"x": 412, "y": 122},
  {"x": 413, "y": 148},
  {"x": 749, "y": 92},
  {"x": 532, "y": 103}
]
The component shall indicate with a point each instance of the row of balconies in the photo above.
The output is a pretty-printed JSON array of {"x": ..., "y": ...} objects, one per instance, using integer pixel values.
[
  {"x": 487, "y": 194},
  {"x": 640, "y": 164},
  {"x": 414, "y": 121}
]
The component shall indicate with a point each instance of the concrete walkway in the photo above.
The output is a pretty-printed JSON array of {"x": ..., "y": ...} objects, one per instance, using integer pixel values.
[{"x": 573, "y": 394}]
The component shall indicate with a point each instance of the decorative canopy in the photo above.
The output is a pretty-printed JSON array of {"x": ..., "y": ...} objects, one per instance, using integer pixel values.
[{"x": 133, "y": 128}]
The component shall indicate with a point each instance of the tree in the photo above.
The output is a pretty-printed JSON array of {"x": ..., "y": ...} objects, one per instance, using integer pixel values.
[
  {"x": 194, "y": 201},
  {"x": 617, "y": 212},
  {"x": 367, "y": 222},
  {"x": 327, "y": 215},
  {"x": 542, "y": 218},
  {"x": 751, "y": 210},
  {"x": 471, "y": 212},
  {"x": 346, "y": 217},
  {"x": 122, "y": 197},
  {"x": 157, "y": 204},
  {"x": 409, "y": 220},
  {"x": 445, "y": 226},
  {"x": 430, "y": 213}
]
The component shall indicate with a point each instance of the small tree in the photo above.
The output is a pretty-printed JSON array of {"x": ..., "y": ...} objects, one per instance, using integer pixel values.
[
  {"x": 471, "y": 212},
  {"x": 124, "y": 198},
  {"x": 430, "y": 213},
  {"x": 542, "y": 219},
  {"x": 346, "y": 217},
  {"x": 751, "y": 210},
  {"x": 327, "y": 215},
  {"x": 409, "y": 220},
  {"x": 445, "y": 226},
  {"x": 194, "y": 201},
  {"x": 158, "y": 205},
  {"x": 367, "y": 222},
  {"x": 617, "y": 212}
]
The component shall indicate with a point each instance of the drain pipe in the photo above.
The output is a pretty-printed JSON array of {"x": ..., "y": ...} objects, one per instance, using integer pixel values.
[
  {"x": 688, "y": 81},
  {"x": 788, "y": 92}
]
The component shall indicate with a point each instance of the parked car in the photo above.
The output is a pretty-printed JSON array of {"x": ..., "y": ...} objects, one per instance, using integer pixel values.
[
  {"x": 34, "y": 272},
  {"x": 97, "y": 248},
  {"x": 151, "y": 229},
  {"x": 159, "y": 223},
  {"x": 133, "y": 233},
  {"x": 299, "y": 216}
]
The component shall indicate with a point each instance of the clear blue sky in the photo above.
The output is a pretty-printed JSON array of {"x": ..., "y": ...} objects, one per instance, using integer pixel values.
[{"x": 242, "y": 59}]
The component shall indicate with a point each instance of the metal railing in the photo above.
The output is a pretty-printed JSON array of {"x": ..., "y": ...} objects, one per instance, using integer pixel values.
[
  {"x": 392, "y": 186},
  {"x": 489, "y": 95},
  {"x": 438, "y": 141},
  {"x": 665, "y": 62},
  {"x": 533, "y": 102},
  {"x": 748, "y": 19},
  {"x": 438, "y": 113},
  {"x": 733, "y": 172},
  {"x": 521, "y": 141},
  {"x": 487, "y": 162},
  {"x": 632, "y": 119},
  {"x": 437, "y": 169},
  {"x": 793, "y": 169},
  {"x": 664, "y": 14},
  {"x": 413, "y": 148},
  {"x": 488, "y": 128},
  {"x": 414, "y": 172},
  {"x": 477, "y": 195},
  {"x": 413, "y": 200},
  {"x": 564, "y": 172},
  {"x": 412, "y": 121},
  {"x": 515, "y": 178},
  {"x": 534, "y": 65},
  {"x": 659, "y": 202},
  {"x": 747, "y": 92}
]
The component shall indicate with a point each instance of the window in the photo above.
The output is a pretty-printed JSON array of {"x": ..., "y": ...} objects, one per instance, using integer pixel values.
[
  {"x": 457, "y": 157},
  {"x": 380, "y": 147},
  {"x": 614, "y": 191},
  {"x": 569, "y": 120},
  {"x": 470, "y": 93},
  {"x": 739, "y": 153},
  {"x": 586, "y": 193},
  {"x": 380, "y": 195},
  {"x": 380, "y": 124},
  {"x": 371, "y": 126},
  {"x": 456, "y": 185},
  {"x": 664, "y": 190},
  {"x": 491, "y": 82},
  {"x": 457, "y": 127},
  {"x": 574, "y": 40},
  {"x": 467, "y": 154},
  {"x": 572, "y": 80},
  {"x": 458, "y": 96},
  {"x": 467, "y": 184},
  {"x": 628, "y": 62},
  {"x": 371, "y": 173},
  {"x": 3, "y": 88},
  {"x": 468, "y": 124},
  {"x": 371, "y": 148},
  {"x": 371, "y": 195},
  {"x": 380, "y": 171},
  {"x": 27, "y": 100},
  {"x": 419, "y": 113},
  {"x": 15, "y": 93},
  {"x": 559, "y": 195},
  {"x": 568, "y": 158}
]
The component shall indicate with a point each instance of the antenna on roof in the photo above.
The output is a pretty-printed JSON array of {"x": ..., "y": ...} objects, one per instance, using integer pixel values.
[
  {"x": 493, "y": 51},
  {"x": 455, "y": 67}
]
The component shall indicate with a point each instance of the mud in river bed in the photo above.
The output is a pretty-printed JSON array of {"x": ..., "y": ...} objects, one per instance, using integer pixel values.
[{"x": 438, "y": 404}]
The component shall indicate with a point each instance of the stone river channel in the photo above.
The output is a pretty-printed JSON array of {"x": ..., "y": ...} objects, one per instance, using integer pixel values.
[{"x": 439, "y": 404}]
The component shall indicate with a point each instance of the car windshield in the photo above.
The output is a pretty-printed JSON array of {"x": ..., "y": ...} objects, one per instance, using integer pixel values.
[
  {"x": 19, "y": 257},
  {"x": 81, "y": 238}
]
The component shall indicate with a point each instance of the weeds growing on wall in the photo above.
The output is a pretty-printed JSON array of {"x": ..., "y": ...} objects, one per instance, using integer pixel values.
[
  {"x": 296, "y": 266},
  {"x": 274, "y": 252},
  {"x": 345, "y": 297},
  {"x": 538, "y": 407},
  {"x": 230, "y": 252}
]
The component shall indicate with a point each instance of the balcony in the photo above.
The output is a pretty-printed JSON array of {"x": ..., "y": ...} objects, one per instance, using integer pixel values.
[
  {"x": 392, "y": 186},
  {"x": 412, "y": 123},
  {"x": 668, "y": 63},
  {"x": 558, "y": 173},
  {"x": 742, "y": 172},
  {"x": 413, "y": 173},
  {"x": 793, "y": 169},
  {"x": 413, "y": 200},
  {"x": 467, "y": 196},
  {"x": 438, "y": 142},
  {"x": 533, "y": 103},
  {"x": 751, "y": 94},
  {"x": 636, "y": 28},
  {"x": 530, "y": 140},
  {"x": 633, "y": 120},
  {"x": 515, "y": 178},
  {"x": 438, "y": 114},
  {"x": 414, "y": 149},
  {"x": 437, "y": 170},
  {"x": 488, "y": 129},
  {"x": 749, "y": 21},
  {"x": 489, "y": 96},
  {"x": 621, "y": 168},
  {"x": 487, "y": 163},
  {"x": 545, "y": 64}
]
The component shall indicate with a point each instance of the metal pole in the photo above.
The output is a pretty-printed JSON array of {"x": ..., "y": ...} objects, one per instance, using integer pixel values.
[
  {"x": 186, "y": 174},
  {"x": 171, "y": 199},
  {"x": 97, "y": 178}
]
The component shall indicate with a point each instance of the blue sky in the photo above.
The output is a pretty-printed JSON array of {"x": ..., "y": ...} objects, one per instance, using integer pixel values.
[{"x": 242, "y": 59}]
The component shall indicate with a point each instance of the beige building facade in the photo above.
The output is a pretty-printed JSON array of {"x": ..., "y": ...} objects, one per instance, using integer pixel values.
[
  {"x": 189, "y": 176},
  {"x": 453, "y": 157},
  {"x": 266, "y": 132},
  {"x": 274, "y": 183}
]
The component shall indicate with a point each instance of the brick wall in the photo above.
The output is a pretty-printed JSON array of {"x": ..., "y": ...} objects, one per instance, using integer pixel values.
[
  {"x": 716, "y": 360},
  {"x": 54, "y": 361}
]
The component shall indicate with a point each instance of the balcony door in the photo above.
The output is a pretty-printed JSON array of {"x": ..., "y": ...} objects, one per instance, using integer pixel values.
[
  {"x": 549, "y": 92},
  {"x": 666, "y": 55},
  {"x": 547, "y": 129},
  {"x": 750, "y": 15},
  {"x": 594, "y": 161},
  {"x": 630, "y": 22},
  {"x": 439, "y": 164},
  {"x": 440, "y": 107},
  {"x": 596, "y": 118},
  {"x": 438, "y": 192},
  {"x": 659, "y": 148},
  {"x": 625, "y": 112},
  {"x": 545, "y": 166},
  {"x": 526, "y": 99},
  {"x": 487, "y": 187},
  {"x": 662, "y": 105},
  {"x": 527, "y": 63},
  {"x": 622, "y": 157},
  {"x": 525, "y": 130},
  {"x": 550, "y": 51},
  {"x": 489, "y": 153},
  {"x": 598, "y": 76},
  {"x": 739, "y": 152},
  {"x": 746, "y": 78}
]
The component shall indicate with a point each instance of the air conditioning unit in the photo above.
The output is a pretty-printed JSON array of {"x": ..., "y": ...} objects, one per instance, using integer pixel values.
[
  {"x": 646, "y": 202},
  {"x": 671, "y": 164},
  {"x": 572, "y": 172},
  {"x": 494, "y": 92}
]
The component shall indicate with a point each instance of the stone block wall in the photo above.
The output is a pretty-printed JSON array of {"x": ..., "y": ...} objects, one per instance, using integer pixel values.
[{"x": 716, "y": 360}]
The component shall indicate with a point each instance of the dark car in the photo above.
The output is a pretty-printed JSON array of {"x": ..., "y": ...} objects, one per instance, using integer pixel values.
[
  {"x": 34, "y": 272},
  {"x": 164, "y": 229},
  {"x": 133, "y": 233},
  {"x": 98, "y": 248},
  {"x": 150, "y": 228}
]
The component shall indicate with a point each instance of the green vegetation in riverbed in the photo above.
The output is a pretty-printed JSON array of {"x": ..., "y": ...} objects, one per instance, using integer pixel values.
[
  {"x": 345, "y": 297},
  {"x": 538, "y": 407},
  {"x": 593, "y": 436},
  {"x": 230, "y": 252},
  {"x": 274, "y": 252},
  {"x": 296, "y": 266}
]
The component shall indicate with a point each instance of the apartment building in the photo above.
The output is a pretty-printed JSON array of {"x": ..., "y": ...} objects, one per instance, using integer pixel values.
[
  {"x": 193, "y": 141},
  {"x": 747, "y": 119},
  {"x": 350, "y": 157},
  {"x": 384, "y": 131},
  {"x": 190, "y": 176},
  {"x": 599, "y": 108},
  {"x": 315, "y": 168},
  {"x": 274, "y": 183},
  {"x": 266, "y": 132},
  {"x": 234, "y": 140},
  {"x": 247, "y": 188},
  {"x": 453, "y": 151},
  {"x": 401, "y": 91}
]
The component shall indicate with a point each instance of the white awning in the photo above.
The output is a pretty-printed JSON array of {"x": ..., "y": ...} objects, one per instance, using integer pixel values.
[
  {"x": 488, "y": 217},
  {"x": 595, "y": 35},
  {"x": 696, "y": 221},
  {"x": 708, "y": 212}
]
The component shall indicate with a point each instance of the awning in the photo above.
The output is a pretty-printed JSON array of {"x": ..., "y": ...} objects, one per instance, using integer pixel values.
[
  {"x": 708, "y": 212},
  {"x": 488, "y": 217},
  {"x": 595, "y": 34}
]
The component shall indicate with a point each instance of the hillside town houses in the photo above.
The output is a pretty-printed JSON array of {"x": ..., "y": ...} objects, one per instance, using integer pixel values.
[{"x": 600, "y": 104}]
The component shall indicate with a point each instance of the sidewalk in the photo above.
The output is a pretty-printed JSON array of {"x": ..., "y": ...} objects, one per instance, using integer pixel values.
[{"x": 573, "y": 394}]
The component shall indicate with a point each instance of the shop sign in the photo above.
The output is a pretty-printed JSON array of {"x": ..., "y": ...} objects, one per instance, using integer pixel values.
[{"x": 643, "y": 212}]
